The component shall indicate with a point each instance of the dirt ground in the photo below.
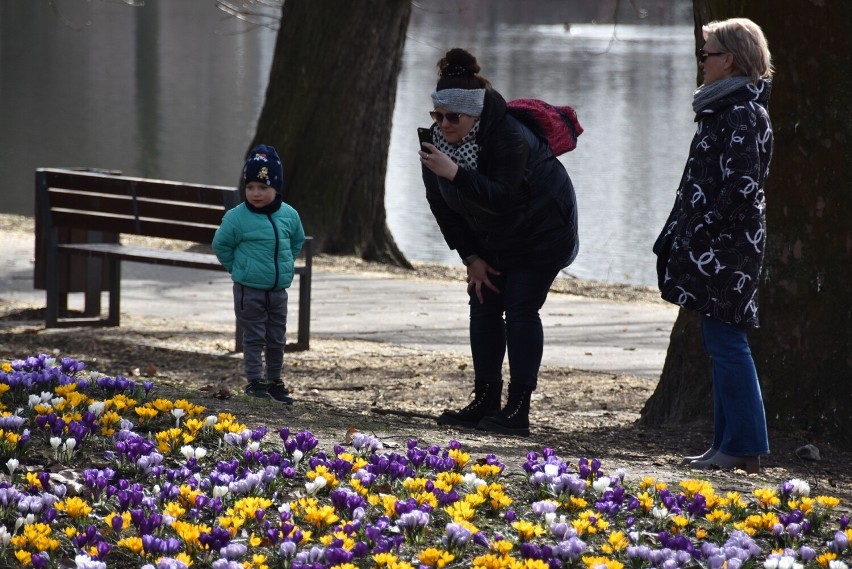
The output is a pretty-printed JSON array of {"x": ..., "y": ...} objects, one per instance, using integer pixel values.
[{"x": 395, "y": 392}]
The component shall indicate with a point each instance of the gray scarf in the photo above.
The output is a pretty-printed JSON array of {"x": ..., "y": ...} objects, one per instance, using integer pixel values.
[{"x": 706, "y": 94}]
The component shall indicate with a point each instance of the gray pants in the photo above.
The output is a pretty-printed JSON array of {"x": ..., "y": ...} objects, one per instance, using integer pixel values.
[{"x": 263, "y": 315}]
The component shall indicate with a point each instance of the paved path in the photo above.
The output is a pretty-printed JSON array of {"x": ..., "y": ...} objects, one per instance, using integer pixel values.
[{"x": 580, "y": 332}]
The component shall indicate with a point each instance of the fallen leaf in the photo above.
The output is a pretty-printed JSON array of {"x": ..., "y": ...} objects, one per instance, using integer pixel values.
[
  {"x": 350, "y": 434},
  {"x": 223, "y": 393}
]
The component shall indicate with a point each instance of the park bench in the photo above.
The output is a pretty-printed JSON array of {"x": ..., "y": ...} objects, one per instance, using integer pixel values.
[{"x": 81, "y": 216}]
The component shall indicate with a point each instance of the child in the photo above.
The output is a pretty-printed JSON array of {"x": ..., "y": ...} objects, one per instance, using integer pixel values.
[{"x": 258, "y": 242}]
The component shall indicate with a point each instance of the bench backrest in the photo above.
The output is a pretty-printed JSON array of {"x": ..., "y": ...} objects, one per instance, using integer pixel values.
[{"x": 122, "y": 204}]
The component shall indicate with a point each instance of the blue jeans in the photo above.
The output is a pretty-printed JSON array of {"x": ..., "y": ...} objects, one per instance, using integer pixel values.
[
  {"x": 739, "y": 420},
  {"x": 522, "y": 294}
]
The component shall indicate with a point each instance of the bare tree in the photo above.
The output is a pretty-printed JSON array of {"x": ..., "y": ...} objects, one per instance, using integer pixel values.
[
  {"x": 803, "y": 351},
  {"x": 328, "y": 110}
]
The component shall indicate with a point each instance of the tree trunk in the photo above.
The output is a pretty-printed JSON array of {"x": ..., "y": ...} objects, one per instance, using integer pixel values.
[
  {"x": 803, "y": 350},
  {"x": 328, "y": 110}
]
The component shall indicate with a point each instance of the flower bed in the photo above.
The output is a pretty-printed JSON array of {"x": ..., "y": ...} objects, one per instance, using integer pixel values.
[{"x": 165, "y": 485}]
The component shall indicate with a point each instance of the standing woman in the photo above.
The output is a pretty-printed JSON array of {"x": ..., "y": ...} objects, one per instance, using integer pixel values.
[
  {"x": 710, "y": 252},
  {"x": 507, "y": 206}
]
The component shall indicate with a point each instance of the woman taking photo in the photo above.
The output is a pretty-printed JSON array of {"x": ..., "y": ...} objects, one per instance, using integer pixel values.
[
  {"x": 710, "y": 252},
  {"x": 506, "y": 204}
]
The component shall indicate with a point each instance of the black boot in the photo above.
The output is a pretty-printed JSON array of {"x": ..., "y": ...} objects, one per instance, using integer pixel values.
[
  {"x": 486, "y": 401},
  {"x": 257, "y": 388},
  {"x": 280, "y": 393},
  {"x": 514, "y": 418}
]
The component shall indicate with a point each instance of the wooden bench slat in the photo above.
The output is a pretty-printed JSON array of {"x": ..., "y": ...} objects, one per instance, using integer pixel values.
[
  {"x": 125, "y": 224},
  {"x": 83, "y": 202},
  {"x": 127, "y": 186}
]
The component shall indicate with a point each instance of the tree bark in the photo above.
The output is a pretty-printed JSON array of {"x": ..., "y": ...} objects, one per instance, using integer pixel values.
[
  {"x": 328, "y": 110},
  {"x": 803, "y": 350}
]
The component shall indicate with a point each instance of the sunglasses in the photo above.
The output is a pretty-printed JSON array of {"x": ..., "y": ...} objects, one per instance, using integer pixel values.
[
  {"x": 452, "y": 118},
  {"x": 703, "y": 55}
]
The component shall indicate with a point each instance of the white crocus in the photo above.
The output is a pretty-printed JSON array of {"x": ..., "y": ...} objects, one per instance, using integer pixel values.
[
  {"x": 12, "y": 466},
  {"x": 177, "y": 413},
  {"x": 659, "y": 513},
  {"x": 601, "y": 485},
  {"x": 193, "y": 452},
  {"x": 55, "y": 442},
  {"x": 472, "y": 481},
  {"x": 297, "y": 456},
  {"x": 316, "y": 485},
  {"x": 220, "y": 491},
  {"x": 800, "y": 487},
  {"x": 97, "y": 408}
]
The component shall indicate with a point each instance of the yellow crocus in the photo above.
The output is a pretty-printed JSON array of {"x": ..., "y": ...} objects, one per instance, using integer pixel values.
[
  {"x": 321, "y": 517},
  {"x": 527, "y": 530},
  {"x": 434, "y": 557},
  {"x": 460, "y": 457},
  {"x": 828, "y": 502},
  {"x": 75, "y": 507},
  {"x": 766, "y": 498},
  {"x": 134, "y": 544},
  {"x": 491, "y": 561},
  {"x": 593, "y": 561},
  {"x": 485, "y": 470}
]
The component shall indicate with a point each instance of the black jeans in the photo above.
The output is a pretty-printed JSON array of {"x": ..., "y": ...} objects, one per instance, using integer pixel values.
[{"x": 522, "y": 294}]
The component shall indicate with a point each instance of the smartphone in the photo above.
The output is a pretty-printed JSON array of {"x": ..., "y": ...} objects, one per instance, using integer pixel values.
[{"x": 425, "y": 135}]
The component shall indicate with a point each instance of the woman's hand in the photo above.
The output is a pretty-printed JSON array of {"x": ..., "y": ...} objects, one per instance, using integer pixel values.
[
  {"x": 438, "y": 162},
  {"x": 477, "y": 276}
]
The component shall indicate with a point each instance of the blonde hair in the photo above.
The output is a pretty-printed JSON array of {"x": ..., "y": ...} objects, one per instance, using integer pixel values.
[{"x": 743, "y": 39}]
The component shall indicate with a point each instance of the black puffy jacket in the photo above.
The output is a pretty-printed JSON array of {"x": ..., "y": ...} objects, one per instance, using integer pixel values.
[{"x": 518, "y": 209}]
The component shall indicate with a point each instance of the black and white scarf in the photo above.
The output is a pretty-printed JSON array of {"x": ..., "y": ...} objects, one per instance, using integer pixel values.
[{"x": 466, "y": 153}]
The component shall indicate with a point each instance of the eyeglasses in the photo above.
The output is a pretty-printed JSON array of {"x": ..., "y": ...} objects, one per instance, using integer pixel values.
[
  {"x": 703, "y": 55},
  {"x": 452, "y": 118}
]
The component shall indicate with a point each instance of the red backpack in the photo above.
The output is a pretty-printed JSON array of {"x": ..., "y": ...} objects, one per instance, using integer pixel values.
[{"x": 558, "y": 125}]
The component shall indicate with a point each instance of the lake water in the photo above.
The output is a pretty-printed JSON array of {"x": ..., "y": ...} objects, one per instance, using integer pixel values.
[{"x": 173, "y": 91}]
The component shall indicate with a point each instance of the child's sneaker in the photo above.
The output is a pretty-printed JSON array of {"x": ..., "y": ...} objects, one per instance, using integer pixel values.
[
  {"x": 280, "y": 393},
  {"x": 257, "y": 389}
]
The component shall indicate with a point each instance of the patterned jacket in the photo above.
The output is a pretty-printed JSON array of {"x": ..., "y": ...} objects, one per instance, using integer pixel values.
[
  {"x": 710, "y": 252},
  {"x": 259, "y": 247}
]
